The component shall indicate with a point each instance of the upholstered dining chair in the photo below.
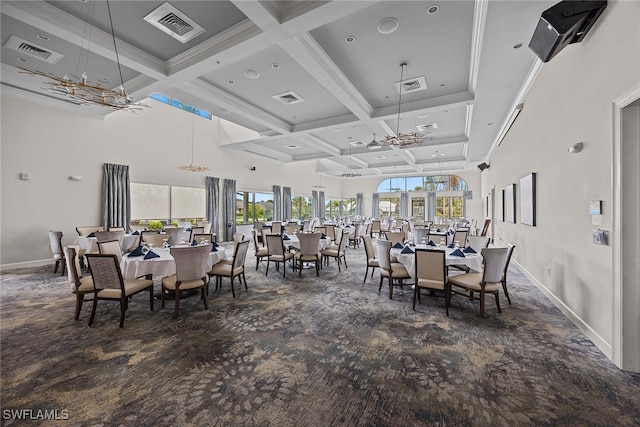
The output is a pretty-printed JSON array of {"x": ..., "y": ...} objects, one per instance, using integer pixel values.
[
  {"x": 309, "y": 243},
  {"x": 178, "y": 235},
  {"x": 237, "y": 238},
  {"x": 369, "y": 250},
  {"x": 395, "y": 237},
  {"x": 276, "y": 227},
  {"x": 392, "y": 271},
  {"x": 260, "y": 251},
  {"x": 234, "y": 269},
  {"x": 376, "y": 228},
  {"x": 55, "y": 240},
  {"x": 338, "y": 252},
  {"x": 291, "y": 229},
  {"x": 109, "y": 284},
  {"x": 203, "y": 236},
  {"x": 111, "y": 247},
  {"x": 330, "y": 232},
  {"x": 80, "y": 285},
  {"x": 487, "y": 282},
  {"x": 104, "y": 236},
  {"x": 460, "y": 236},
  {"x": 431, "y": 274},
  {"x": 276, "y": 253},
  {"x": 195, "y": 230},
  {"x": 192, "y": 264},
  {"x": 154, "y": 238},
  {"x": 85, "y": 231},
  {"x": 356, "y": 236},
  {"x": 478, "y": 243}
]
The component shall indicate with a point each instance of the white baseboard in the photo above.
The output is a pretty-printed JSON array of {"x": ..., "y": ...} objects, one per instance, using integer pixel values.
[
  {"x": 27, "y": 264},
  {"x": 599, "y": 342}
]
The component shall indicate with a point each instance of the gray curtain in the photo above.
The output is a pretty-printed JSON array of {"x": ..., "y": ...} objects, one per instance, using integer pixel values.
[
  {"x": 277, "y": 203},
  {"x": 359, "y": 204},
  {"x": 431, "y": 206},
  {"x": 116, "y": 196},
  {"x": 314, "y": 204},
  {"x": 321, "y": 204},
  {"x": 229, "y": 213},
  {"x": 404, "y": 205},
  {"x": 467, "y": 195},
  {"x": 212, "y": 187},
  {"x": 286, "y": 203},
  {"x": 375, "y": 205}
]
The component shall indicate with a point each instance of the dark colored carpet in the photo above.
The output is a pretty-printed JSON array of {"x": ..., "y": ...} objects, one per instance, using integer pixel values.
[{"x": 305, "y": 352}]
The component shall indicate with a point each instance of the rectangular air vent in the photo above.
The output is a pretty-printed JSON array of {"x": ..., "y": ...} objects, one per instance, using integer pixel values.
[
  {"x": 413, "y": 84},
  {"x": 357, "y": 143},
  {"x": 33, "y": 50},
  {"x": 288, "y": 98},
  {"x": 427, "y": 127},
  {"x": 293, "y": 147},
  {"x": 174, "y": 23}
]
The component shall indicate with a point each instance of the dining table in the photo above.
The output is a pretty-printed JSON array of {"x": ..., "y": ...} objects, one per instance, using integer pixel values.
[
  {"x": 471, "y": 260},
  {"x": 163, "y": 265},
  {"x": 293, "y": 241},
  {"x": 90, "y": 244}
]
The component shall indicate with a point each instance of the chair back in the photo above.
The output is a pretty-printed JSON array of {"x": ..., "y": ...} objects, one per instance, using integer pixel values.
[
  {"x": 73, "y": 266},
  {"x": 306, "y": 226},
  {"x": 111, "y": 247},
  {"x": 477, "y": 243},
  {"x": 309, "y": 243},
  {"x": 360, "y": 231},
  {"x": 156, "y": 239},
  {"x": 85, "y": 231},
  {"x": 368, "y": 247},
  {"x": 274, "y": 244},
  {"x": 254, "y": 235},
  {"x": 395, "y": 237},
  {"x": 383, "y": 247},
  {"x": 344, "y": 240},
  {"x": 116, "y": 228},
  {"x": 237, "y": 238},
  {"x": 431, "y": 267},
  {"x": 55, "y": 239},
  {"x": 105, "y": 236},
  {"x": 276, "y": 227},
  {"x": 207, "y": 227},
  {"x": 420, "y": 234},
  {"x": 206, "y": 236},
  {"x": 178, "y": 234},
  {"x": 322, "y": 230},
  {"x": 495, "y": 260},
  {"x": 291, "y": 229},
  {"x": 461, "y": 237},
  {"x": 506, "y": 265},
  {"x": 485, "y": 227},
  {"x": 192, "y": 262},
  {"x": 240, "y": 253},
  {"x": 331, "y": 232},
  {"x": 195, "y": 230},
  {"x": 376, "y": 226},
  {"x": 105, "y": 271}
]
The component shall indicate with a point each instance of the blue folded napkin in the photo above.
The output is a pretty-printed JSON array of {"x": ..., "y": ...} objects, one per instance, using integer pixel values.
[
  {"x": 286, "y": 237},
  {"x": 214, "y": 247},
  {"x": 457, "y": 252},
  {"x": 135, "y": 233},
  {"x": 151, "y": 254},
  {"x": 469, "y": 250},
  {"x": 431, "y": 243},
  {"x": 194, "y": 243},
  {"x": 136, "y": 252},
  {"x": 397, "y": 246},
  {"x": 214, "y": 244},
  {"x": 452, "y": 245},
  {"x": 91, "y": 235},
  {"x": 323, "y": 236},
  {"x": 407, "y": 250},
  {"x": 437, "y": 230},
  {"x": 187, "y": 229}
]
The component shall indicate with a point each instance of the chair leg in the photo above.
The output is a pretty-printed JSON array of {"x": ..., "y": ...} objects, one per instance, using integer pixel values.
[
  {"x": 151, "y": 298},
  {"x": 176, "y": 307},
  {"x": 380, "y": 287},
  {"x": 55, "y": 269},
  {"x": 267, "y": 272},
  {"x": 79, "y": 301},
  {"x": 257, "y": 262},
  {"x": 390, "y": 287},
  {"x": 506, "y": 293},
  {"x": 498, "y": 302},
  {"x": 93, "y": 310},
  {"x": 162, "y": 296},
  {"x": 416, "y": 294},
  {"x": 482, "y": 304},
  {"x": 366, "y": 273},
  {"x": 232, "y": 291},
  {"x": 204, "y": 298},
  {"x": 447, "y": 297},
  {"x": 123, "y": 309}
]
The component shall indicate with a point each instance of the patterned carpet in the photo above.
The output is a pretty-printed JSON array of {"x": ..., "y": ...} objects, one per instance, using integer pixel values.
[{"x": 304, "y": 352}]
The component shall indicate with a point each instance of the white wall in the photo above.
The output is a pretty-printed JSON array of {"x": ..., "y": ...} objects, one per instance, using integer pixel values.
[
  {"x": 571, "y": 101},
  {"x": 53, "y": 145}
]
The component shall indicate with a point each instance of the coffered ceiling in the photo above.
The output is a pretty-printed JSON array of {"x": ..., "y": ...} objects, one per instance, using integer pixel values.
[{"x": 316, "y": 79}]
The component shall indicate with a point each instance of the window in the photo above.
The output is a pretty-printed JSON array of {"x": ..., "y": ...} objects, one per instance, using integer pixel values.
[
  {"x": 349, "y": 206},
  {"x": 332, "y": 209},
  {"x": 166, "y": 203},
  {"x": 253, "y": 207},
  {"x": 389, "y": 207},
  {"x": 423, "y": 183},
  {"x": 449, "y": 207},
  {"x": 188, "y": 202},
  {"x": 301, "y": 207}
]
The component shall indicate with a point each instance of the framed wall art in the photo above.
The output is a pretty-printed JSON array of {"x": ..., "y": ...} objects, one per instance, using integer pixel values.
[
  {"x": 510, "y": 203},
  {"x": 500, "y": 205},
  {"x": 528, "y": 199}
]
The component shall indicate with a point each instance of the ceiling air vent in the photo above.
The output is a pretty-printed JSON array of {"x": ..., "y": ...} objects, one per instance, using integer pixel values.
[
  {"x": 288, "y": 98},
  {"x": 173, "y": 22},
  {"x": 293, "y": 147},
  {"x": 357, "y": 143},
  {"x": 413, "y": 84},
  {"x": 33, "y": 50},
  {"x": 427, "y": 127}
]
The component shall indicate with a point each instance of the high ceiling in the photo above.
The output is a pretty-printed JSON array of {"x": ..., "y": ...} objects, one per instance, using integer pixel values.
[{"x": 340, "y": 60}]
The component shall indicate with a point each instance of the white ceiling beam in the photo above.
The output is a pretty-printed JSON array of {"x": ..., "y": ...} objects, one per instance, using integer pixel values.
[{"x": 477, "y": 38}]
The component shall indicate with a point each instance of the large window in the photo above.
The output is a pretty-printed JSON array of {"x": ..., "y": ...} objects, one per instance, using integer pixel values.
[
  {"x": 166, "y": 203},
  {"x": 449, "y": 207},
  {"x": 423, "y": 183},
  {"x": 253, "y": 207},
  {"x": 332, "y": 209},
  {"x": 389, "y": 207},
  {"x": 301, "y": 207},
  {"x": 349, "y": 207}
]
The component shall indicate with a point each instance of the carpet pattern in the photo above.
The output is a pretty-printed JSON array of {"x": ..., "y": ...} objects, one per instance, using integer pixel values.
[{"x": 297, "y": 351}]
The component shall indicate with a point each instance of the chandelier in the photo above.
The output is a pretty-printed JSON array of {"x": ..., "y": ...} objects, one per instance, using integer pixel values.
[
  {"x": 402, "y": 140},
  {"x": 79, "y": 88},
  {"x": 350, "y": 173},
  {"x": 191, "y": 167}
]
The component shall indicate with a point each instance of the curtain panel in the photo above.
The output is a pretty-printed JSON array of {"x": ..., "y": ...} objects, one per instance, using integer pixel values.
[
  {"x": 286, "y": 203},
  {"x": 466, "y": 195},
  {"x": 229, "y": 213},
  {"x": 359, "y": 204},
  {"x": 321, "y": 204},
  {"x": 116, "y": 196},
  {"x": 212, "y": 188},
  {"x": 277, "y": 203},
  {"x": 314, "y": 204},
  {"x": 431, "y": 206},
  {"x": 375, "y": 205},
  {"x": 404, "y": 205}
]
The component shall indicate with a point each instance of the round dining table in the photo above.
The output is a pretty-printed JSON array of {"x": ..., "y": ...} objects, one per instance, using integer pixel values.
[
  {"x": 471, "y": 260},
  {"x": 163, "y": 265}
]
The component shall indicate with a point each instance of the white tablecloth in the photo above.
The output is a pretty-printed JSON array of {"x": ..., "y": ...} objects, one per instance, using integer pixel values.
[
  {"x": 473, "y": 261},
  {"x": 295, "y": 242},
  {"x": 163, "y": 266},
  {"x": 90, "y": 244}
]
